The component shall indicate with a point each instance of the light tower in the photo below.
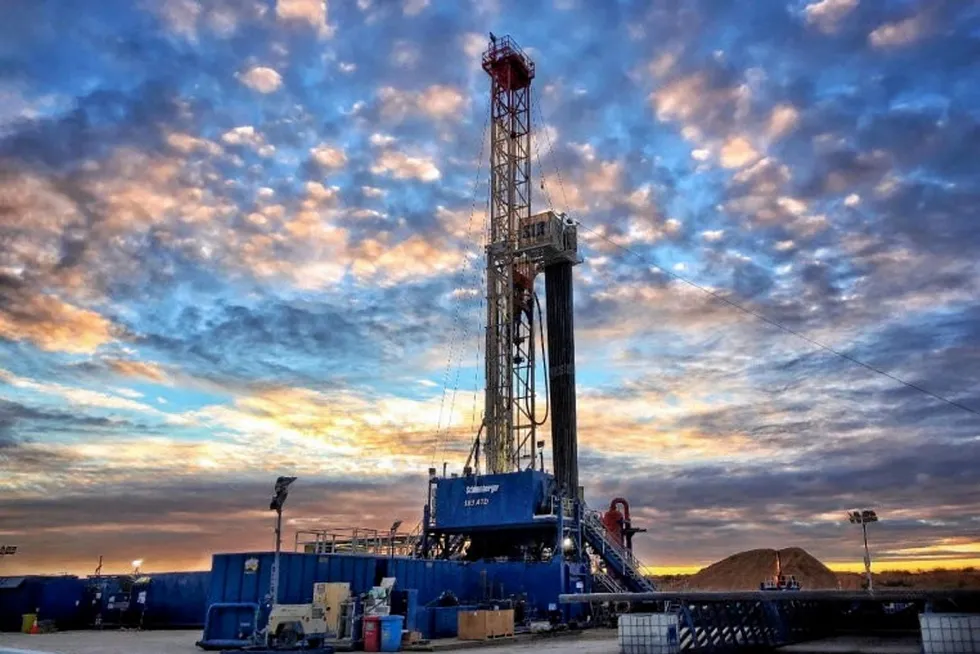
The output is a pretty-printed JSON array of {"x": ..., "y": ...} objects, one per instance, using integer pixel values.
[
  {"x": 864, "y": 518},
  {"x": 509, "y": 397}
]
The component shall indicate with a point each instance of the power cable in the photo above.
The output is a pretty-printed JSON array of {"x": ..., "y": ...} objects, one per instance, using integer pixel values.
[
  {"x": 440, "y": 432},
  {"x": 551, "y": 152},
  {"x": 784, "y": 328}
]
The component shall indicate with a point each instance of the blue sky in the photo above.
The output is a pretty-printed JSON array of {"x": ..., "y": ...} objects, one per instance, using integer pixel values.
[{"x": 239, "y": 238}]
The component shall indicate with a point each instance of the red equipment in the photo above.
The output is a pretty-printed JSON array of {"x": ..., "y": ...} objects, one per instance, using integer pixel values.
[
  {"x": 371, "y": 631},
  {"x": 618, "y": 524}
]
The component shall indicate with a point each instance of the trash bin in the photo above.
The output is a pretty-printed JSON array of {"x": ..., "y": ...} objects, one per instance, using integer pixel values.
[
  {"x": 372, "y": 633},
  {"x": 391, "y": 632},
  {"x": 27, "y": 622}
]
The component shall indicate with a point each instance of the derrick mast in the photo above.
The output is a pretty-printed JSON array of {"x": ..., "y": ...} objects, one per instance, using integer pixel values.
[{"x": 509, "y": 427}]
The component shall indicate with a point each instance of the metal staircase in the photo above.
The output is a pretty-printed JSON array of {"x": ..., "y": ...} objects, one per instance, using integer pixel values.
[
  {"x": 618, "y": 560},
  {"x": 604, "y": 583}
]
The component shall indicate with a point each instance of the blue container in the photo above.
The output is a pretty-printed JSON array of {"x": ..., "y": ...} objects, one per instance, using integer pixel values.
[
  {"x": 423, "y": 622},
  {"x": 445, "y": 620},
  {"x": 490, "y": 501},
  {"x": 406, "y": 603},
  {"x": 59, "y": 599},
  {"x": 391, "y": 632},
  {"x": 237, "y": 578},
  {"x": 246, "y": 577},
  {"x": 173, "y": 600},
  {"x": 111, "y": 601},
  {"x": 429, "y": 578}
]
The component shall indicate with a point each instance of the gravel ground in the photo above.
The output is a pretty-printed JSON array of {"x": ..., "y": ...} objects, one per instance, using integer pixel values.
[
  {"x": 182, "y": 642},
  {"x": 109, "y": 642}
]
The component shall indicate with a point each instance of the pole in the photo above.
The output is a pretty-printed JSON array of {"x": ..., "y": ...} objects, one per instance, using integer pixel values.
[
  {"x": 867, "y": 557},
  {"x": 273, "y": 596},
  {"x": 274, "y": 582}
]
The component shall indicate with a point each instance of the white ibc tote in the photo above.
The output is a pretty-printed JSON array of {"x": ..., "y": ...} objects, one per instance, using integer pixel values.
[{"x": 649, "y": 633}]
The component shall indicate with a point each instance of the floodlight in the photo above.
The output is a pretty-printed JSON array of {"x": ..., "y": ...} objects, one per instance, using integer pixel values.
[{"x": 282, "y": 486}]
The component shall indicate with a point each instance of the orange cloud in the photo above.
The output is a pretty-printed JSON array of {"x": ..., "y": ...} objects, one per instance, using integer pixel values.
[
  {"x": 404, "y": 166},
  {"x": 437, "y": 102},
  {"x": 310, "y": 12},
  {"x": 262, "y": 79},
  {"x": 737, "y": 152},
  {"x": 342, "y": 431},
  {"x": 138, "y": 369},
  {"x": 328, "y": 157},
  {"x": 54, "y": 325}
]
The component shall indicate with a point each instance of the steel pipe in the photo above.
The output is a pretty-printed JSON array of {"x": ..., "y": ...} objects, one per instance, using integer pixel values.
[{"x": 890, "y": 595}]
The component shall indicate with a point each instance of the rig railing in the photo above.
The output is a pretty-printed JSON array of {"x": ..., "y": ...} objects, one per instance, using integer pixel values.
[{"x": 356, "y": 540}]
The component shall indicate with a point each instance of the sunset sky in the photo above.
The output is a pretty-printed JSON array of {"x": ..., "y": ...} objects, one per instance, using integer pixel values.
[{"x": 243, "y": 238}]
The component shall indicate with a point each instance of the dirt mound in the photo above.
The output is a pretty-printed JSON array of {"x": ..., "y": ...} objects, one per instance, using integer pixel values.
[{"x": 746, "y": 570}]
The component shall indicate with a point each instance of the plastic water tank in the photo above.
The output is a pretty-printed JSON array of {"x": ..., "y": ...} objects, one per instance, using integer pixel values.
[
  {"x": 648, "y": 633},
  {"x": 950, "y": 633},
  {"x": 391, "y": 632}
]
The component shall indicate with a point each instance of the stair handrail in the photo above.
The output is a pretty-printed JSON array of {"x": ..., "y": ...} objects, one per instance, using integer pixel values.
[{"x": 593, "y": 518}]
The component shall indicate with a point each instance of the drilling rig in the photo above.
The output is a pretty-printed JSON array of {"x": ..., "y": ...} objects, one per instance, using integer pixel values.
[{"x": 504, "y": 506}]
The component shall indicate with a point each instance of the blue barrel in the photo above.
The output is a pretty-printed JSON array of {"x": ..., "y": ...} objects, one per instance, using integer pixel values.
[{"x": 391, "y": 632}]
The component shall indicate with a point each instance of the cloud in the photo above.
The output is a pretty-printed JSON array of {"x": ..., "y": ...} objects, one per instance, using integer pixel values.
[
  {"x": 438, "y": 102},
  {"x": 235, "y": 268},
  {"x": 138, "y": 369},
  {"x": 171, "y": 513},
  {"x": 698, "y": 97},
  {"x": 242, "y": 135},
  {"x": 402, "y": 166},
  {"x": 737, "y": 152},
  {"x": 783, "y": 119},
  {"x": 474, "y": 43},
  {"x": 898, "y": 34},
  {"x": 194, "y": 20},
  {"x": 414, "y": 7},
  {"x": 262, "y": 79},
  {"x": 87, "y": 398},
  {"x": 187, "y": 144},
  {"x": 405, "y": 54},
  {"x": 52, "y": 324},
  {"x": 328, "y": 157},
  {"x": 828, "y": 14},
  {"x": 311, "y": 12}
]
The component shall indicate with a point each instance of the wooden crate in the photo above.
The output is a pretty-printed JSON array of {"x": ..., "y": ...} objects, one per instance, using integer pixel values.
[
  {"x": 501, "y": 623},
  {"x": 484, "y": 625}
]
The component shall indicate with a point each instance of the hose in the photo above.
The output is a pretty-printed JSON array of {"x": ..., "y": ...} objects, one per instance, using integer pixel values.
[{"x": 544, "y": 359}]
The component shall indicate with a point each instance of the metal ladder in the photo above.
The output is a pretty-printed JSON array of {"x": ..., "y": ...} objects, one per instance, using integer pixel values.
[{"x": 617, "y": 558}]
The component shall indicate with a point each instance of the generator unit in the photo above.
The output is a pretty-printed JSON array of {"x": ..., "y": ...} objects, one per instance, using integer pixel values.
[{"x": 310, "y": 624}]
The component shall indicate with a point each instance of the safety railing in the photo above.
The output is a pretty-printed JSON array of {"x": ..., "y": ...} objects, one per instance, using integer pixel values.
[{"x": 356, "y": 540}]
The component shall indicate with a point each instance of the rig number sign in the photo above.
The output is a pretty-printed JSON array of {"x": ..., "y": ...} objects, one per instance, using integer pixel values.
[
  {"x": 8, "y": 550},
  {"x": 483, "y": 491}
]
